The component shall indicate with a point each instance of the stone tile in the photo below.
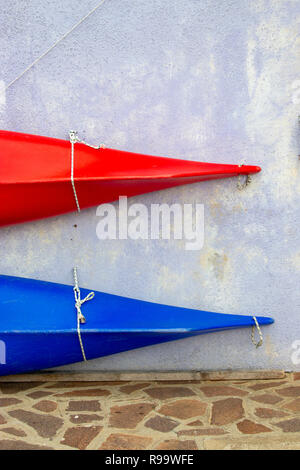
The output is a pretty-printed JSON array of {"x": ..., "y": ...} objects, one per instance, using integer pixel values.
[
  {"x": 2, "y": 420},
  {"x": 109, "y": 383},
  {"x": 290, "y": 425},
  {"x": 227, "y": 411},
  {"x": 201, "y": 432},
  {"x": 242, "y": 382},
  {"x": 15, "y": 387},
  {"x": 126, "y": 442},
  {"x": 269, "y": 413},
  {"x": 179, "y": 382},
  {"x": 289, "y": 391},
  {"x": 195, "y": 423},
  {"x": 39, "y": 394},
  {"x": 85, "y": 418},
  {"x": 46, "y": 406},
  {"x": 14, "y": 432},
  {"x": 128, "y": 416},
  {"x": 44, "y": 425},
  {"x": 269, "y": 442},
  {"x": 9, "y": 401},
  {"x": 223, "y": 390},
  {"x": 80, "y": 437},
  {"x": 184, "y": 409},
  {"x": 66, "y": 385},
  {"x": 157, "y": 423},
  {"x": 266, "y": 398},
  {"x": 92, "y": 392},
  {"x": 6, "y": 444},
  {"x": 84, "y": 405},
  {"x": 262, "y": 386},
  {"x": 128, "y": 389},
  {"x": 176, "y": 444},
  {"x": 250, "y": 427},
  {"x": 163, "y": 393},
  {"x": 292, "y": 405}
]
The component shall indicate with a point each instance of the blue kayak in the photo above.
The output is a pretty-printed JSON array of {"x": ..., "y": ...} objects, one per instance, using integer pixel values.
[{"x": 39, "y": 324}]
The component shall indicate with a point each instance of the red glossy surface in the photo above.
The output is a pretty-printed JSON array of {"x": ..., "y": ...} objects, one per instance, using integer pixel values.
[{"x": 35, "y": 175}]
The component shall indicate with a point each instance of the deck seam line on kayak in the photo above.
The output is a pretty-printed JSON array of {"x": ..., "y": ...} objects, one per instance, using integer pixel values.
[
  {"x": 123, "y": 178},
  {"x": 53, "y": 46}
]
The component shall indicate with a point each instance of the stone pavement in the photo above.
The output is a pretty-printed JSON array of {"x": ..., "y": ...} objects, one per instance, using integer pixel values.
[{"x": 237, "y": 414}]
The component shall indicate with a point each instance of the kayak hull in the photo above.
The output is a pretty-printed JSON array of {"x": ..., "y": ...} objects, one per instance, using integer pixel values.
[
  {"x": 39, "y": 325},
  {"x": 35, "y": 175}
]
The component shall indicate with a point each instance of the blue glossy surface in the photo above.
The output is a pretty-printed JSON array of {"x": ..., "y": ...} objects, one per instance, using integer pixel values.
[{"x": 39, "y": 324}]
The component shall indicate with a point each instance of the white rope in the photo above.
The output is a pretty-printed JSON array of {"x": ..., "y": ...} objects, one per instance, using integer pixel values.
[
  {"x": 74, "y": 139},
  {"x": 53, "y": 46},
  {"x": 78, "y": 304},
  {"x": 260, "y": 342}
]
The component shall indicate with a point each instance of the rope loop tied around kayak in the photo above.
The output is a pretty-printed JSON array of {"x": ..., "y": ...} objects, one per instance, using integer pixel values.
[
  {"x": 78, "y": 304},
  {"x": 247, "y": 181},
  {"x": 257, "y": 344},
  {"x": 74, "y": 139}
]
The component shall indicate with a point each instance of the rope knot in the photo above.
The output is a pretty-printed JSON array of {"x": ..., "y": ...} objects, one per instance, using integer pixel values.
[
  {"x": 78, "y": 303},
  {"x": 74, "y": 139},
  {"x": 73, "y": 136}
]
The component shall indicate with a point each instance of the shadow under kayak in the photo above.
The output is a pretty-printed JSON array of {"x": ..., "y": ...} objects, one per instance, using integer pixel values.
[
  {"x": 39, "y": 178},
  {"x": 38, "y": 328}
]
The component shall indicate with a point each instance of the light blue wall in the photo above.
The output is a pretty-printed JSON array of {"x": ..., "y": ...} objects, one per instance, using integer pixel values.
[{"x": 198, "y": 79}]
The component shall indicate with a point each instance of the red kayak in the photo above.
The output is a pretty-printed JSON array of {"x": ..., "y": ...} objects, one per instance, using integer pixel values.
[{"x": 43, "y": 177}]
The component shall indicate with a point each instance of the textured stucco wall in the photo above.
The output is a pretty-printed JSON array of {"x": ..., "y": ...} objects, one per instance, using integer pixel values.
[{"x": 198, "y": 79}]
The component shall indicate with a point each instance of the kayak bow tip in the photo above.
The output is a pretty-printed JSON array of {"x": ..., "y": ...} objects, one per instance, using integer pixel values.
[
  {"x": 249, "y": 169},
  {"x": 264, "y": 320}
]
